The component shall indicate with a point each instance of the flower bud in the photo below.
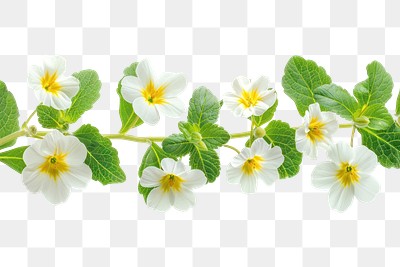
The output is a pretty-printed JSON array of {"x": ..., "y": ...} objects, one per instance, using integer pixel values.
[
  {"x": 201, "y": 145},
  {"x": 361, "y": 122},
  {"x": 196, "y": 136},
  {"x": 259, "y": 132},
  {"x": 32, "y": 130}
]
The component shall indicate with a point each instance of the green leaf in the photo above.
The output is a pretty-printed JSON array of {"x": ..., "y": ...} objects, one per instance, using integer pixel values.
[
  {"x": 377, "y": 89},
  {"x": 385, "y": 144},
  {"x": 102, "y": 158},
  {"x": 279, "y": 133},
  {"x": 398, "y": 105},
  {"x": 153, "y": 156},
  {"x": 379, "y": 117},
  {"x": 129, "y": 119},
  {"x": 88, "y": 94},
  {"x": 301, "y": 78},
  {"x": 203, "y": 107},
  {"x": 266, "y": 116},
  {"x": 206, "y": 161},
  {"x": 332, "y": 97},
  {"x": 13, "y": 158},
  {"x": 177, "y": 145},
  {"x": 51, "y": 118},
  {"x": 214, "y": 136},
  {"x": 8, "y": 114}
]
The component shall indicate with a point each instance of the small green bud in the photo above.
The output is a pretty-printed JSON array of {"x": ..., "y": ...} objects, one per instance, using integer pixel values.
[
  {"x": 361, "y": 122},
  {"x": 32, "y": 130},
  {"x": 196, "y": 137},
  {"x": 201, "y": 145},
  {"x": 259, "y": 132}
]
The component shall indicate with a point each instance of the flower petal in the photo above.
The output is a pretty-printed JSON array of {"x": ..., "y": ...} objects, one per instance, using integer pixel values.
[
  {"x": 60, "y": 101},
  {"x": 365, "y": 159},
  {"x": 248, "y": 183},
  {"x": 269, "y": 98},
  {"x": 77, "y": 176},
  {"x": 173, "y": 83},
  {"x": 184, "y": 199},
  {"x": 233, "y": 174},
  {"x": 267, "y": 175},
  {"x": 54, "y": 64},
  {"x": 50, "y": 143},
  {"x": 260, "y": 108},
  {"x": 179, "y": 168},
  {"x": 273, "y": 158},
  {"x": 239, "y": 84},
  {"x": 340, "y": 152},
  {"x": 148, "y": 113},
  {"x": 55, "y": 191},
  {"x": 194, "y": 179},
  {"x": 131, "y": 88},
  {"x": 151, "y": 176},
  {"x": 331, "y": 123},
  {"x": 239, "y": 159},
  {"x": 33, "y": 179},
  {"x": 173, "y": 107},
  {"x": 69, "y": 86},
  {"x": 144, "y": 72},
  {"x": 324, "y": 175},
  {"x": 340, "y": 197},
  {"x": 33, "y": 156},
  {"x": 367, "y": 188},
  {"x": 158, "y": 199},
  {"x": 75, "y": 150},
  {"x": 34, "y": 77},
  {"x": 259, "y": 147},
  {"x": 168, "y": 165},
  {"x": 315, "y": 111},
  {"x": 260, "y": 84}
]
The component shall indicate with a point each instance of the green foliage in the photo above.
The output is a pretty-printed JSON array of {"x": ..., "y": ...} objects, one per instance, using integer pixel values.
[
  {"x": 214, "y": 136},
  {"x": 332, "y": 97},
  {"x": 301, "y": 78},
  {"x": 129, "y": 119},
  {"x": 206, "y": 161},
  {"x": 102, "y": 158},
  {"x": 398, "y": 105},
  {"x": 9, "y": 114},
  {"x": 152, "y": 157},
  {"x": 377, "y": 89},
  {"x": 51, "y": 118},
  {"x": 385, "y": 144},
  {"x": 88, "y": 94},
  {"x": 13, "y": 158},
  {"x": 379, "y": 117},
  {"x": 203, "y": 107},
  {"x": 266, "y": 116},
  {"x": 279, "y": 133},
  {"x": 177, "y": 145}
]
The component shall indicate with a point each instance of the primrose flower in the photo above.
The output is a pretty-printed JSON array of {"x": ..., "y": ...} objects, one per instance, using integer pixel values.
[
  {"x": 317, "y": 130},
  {"x": 348, "y": 174},
  {"x": 54, "y": 165},
  {"x": 173, "y": 185},
  {"x": 250, "y": 98},
  {"x": 49, "y": 84},
  {"x": 151, "y": 95},
  {"x": 260, "y": 162}
]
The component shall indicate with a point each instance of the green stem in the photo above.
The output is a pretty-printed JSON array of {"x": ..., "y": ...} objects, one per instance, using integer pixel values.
[
  {"x": 135, "y": 138},
  {"x": 252, "y": 130},
  {"x": 346, "y": 125},
  {"x": 11, "y": 137},
  {"x": 233, "y": 148},
  {"x": 240, "y": 135},
  {"x": 353, "y": 131},
  {"x": 25, "y": 124}
]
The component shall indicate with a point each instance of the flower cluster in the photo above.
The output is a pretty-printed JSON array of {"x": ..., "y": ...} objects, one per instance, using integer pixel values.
[{"x": 60, "y": 160}]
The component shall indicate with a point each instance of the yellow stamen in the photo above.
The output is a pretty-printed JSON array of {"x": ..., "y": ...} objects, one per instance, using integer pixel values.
[
  {"x": 54, "y": 165},
  {"x": 249, "y": 98},
  {"x": 171, "y": 182},
  {"x": 252, "y": 165},
  {"x": 315, "y": 134},
  {"x": 49, "y": 83},
  {"x": 153, "y": 95},
  {"x": 347, "y": 174}
]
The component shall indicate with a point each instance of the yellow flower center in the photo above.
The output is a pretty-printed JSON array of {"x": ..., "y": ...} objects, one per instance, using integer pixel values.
[
  {"x": 252, "y": 165},
  {"x": 315, "y": 134},
  {"x": 249, "y": 98},
  {"x": 54, "y": 165},
  {"x": 171, "y": 182},
  {"x": 347, "y": 174},
  {"x": 153, "y": 95},
  {"x": 49, "y": 83}
]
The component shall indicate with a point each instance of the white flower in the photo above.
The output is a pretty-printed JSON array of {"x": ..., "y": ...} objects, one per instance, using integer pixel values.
[
  {"x": 317, "y": 130},
  {"x": 348, "y": 174},
  {"x": 50, "y": 85},
  {"x": 151, "y": 95},
  {"x": 173, "y": 185},
  {"x": 54, "y": 165},
  {"x": 258, "y": 162},
  {"x": 250, "y": 98}
]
